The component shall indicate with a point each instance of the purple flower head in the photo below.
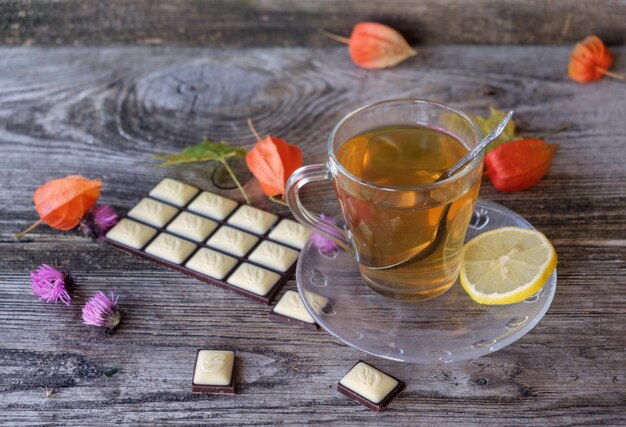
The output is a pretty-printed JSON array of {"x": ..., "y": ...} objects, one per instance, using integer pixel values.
[
  {"x": 99, "y": 220},
  {"x": 324, "y": 244},
  {"x": 102, "y": 311},
  {"x": 52, "y": 285}
]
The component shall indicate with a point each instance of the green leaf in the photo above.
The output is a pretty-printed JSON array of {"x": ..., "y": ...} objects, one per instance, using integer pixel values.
[
  {"x": 487, "y": 124},
  {"x": 110, "y": 372},
  {"x": 203, "y": 152}
]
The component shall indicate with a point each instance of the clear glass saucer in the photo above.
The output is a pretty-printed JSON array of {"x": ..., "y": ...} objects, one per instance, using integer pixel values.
[{"x": 449, "y": 328}]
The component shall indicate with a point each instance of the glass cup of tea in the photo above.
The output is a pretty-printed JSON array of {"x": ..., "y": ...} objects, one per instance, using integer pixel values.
[{"x": 405, "y": 230}]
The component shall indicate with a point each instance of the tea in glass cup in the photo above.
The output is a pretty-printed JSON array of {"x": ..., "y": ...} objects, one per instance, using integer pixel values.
[{"x": 405, "y": 229}]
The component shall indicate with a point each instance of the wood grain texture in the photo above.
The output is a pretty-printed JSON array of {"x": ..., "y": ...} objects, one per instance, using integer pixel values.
[
  {"x": 104, "y": 112},
  {"x": 236, "y": 23}
]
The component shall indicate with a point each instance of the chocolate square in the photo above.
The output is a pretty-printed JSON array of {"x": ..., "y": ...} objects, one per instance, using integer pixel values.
[
  {"x": 288, "y": 307},
  {"x": 379, "y": 387},
  {"x": 214, "y": 367}
]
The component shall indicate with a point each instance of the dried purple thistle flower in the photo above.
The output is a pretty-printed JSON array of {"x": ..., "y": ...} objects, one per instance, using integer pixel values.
[
  {"x": 102, "y": 311},
  {"x": 324, "y": 244},
  {"x": 99, "y": 220},
  {"x": 52, "y": 285}
]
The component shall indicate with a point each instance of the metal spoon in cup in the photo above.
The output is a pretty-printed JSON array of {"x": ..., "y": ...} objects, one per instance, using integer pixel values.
[{"x": 443, "y": 220}]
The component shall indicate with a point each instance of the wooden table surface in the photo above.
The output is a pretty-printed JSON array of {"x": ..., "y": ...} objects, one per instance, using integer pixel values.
[{"x": 103, "y": 112}]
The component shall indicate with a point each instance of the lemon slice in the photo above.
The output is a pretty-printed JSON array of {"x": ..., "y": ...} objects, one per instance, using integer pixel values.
[{"x": 506, "y": 265}]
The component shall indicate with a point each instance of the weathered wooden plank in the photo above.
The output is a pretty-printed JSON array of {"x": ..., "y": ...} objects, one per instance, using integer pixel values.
[
  {"x": 104, "y": 112},
  {"x": 296, "y": 23}
]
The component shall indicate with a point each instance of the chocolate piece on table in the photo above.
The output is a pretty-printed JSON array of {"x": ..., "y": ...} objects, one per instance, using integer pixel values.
[
  {"x": 131, "y": 233},
  {"x": 174, "y": 192},
  {"x": 153, "y": 212},
  {"x": 212, "y": 205},
  {"x": 370, "y": 386},
  {"x": 252, "y": 219},
  {"x": 274, "y": 256},
  {"x": 291, "y": 311},
  {"x": 212, "y": 263},
  {"x": 214, "y": 372},
  {"x": 232, "y": 241},
  {"x": 170, "y": 248},
  {"x": 253, "y": 279},
  {"x": 192, "y": 226},
  {"x": 290, "y": 233},
  {"x": 190, "y": 231}
]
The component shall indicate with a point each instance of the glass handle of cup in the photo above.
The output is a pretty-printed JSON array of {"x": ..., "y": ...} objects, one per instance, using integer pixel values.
[{"x": 296, "y": 181}]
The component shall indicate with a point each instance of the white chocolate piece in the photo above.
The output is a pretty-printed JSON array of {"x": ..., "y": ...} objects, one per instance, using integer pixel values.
[
  {"x": 369, "y": 382},
  {"x": 214, "y": 367},
  {"x": 254, "y": 279},
  {"x": 211, "y": 263},
  {"x": 252, "y": 219},
  {"x": 192, "y": 226},
  {"x": 152, "y": 212},
  {"x": 290, "y": 305},
  {"x": 290, "y": 233},
  {"x": 131, "y": 233},
  {"x": 274, "y": 256},
  {"x": 174, "y": 192},
  {"x": 170, "y": 248},
  {"x": 212, "y": 205},
  {"x": 317, "y": 302},
  {"x": 232, "y": 241}
]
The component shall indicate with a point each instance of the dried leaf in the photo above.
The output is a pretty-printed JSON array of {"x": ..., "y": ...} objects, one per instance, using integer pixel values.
[
  {"x": 203, "y": 152},
  {"x": 519, "y": 164},
  {"x": 272, "y": 161},
  {"x": 62, "y": 203},
  {"x": 590, "y": 61},
  {"x": 487, "y": 124}
]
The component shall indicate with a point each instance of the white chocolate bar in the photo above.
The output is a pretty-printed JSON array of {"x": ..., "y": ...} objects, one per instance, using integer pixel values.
[
  {"x": 214, "y": 367},
  {"x": 170, "y": 248},
  {"x": 211, "y": 263},
  {"x": 252, "y": 219},
  {"x": 212, "y": 205},
  {"x": 131, "y": 233},
  {"x": 254, "y": 279},
  {"x": 369, "y": 382},
  {"x": 274, "y": 256},
  {"x": 152, "y": 212},
  {"x": 174, "y": 192},
  {"x": 192, "y": 226},
  {"x": 232, "y": 241},
  {"x": 290, "y": 233},
  {"x": 290, "y": 305}
]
